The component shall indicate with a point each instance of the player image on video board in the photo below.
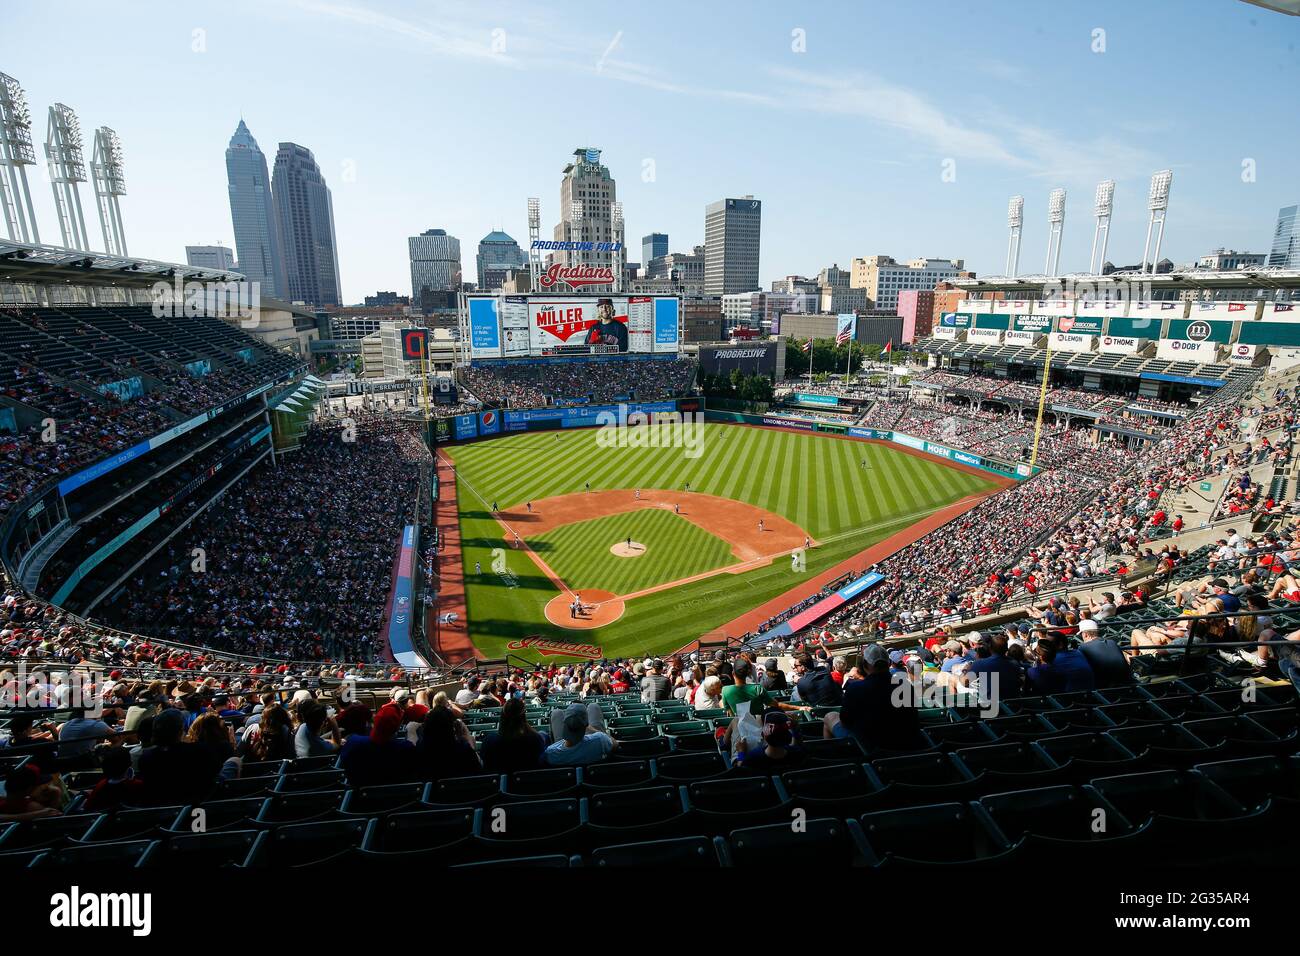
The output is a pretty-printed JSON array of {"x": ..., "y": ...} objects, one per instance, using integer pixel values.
[{"x": 607, "y": 330}]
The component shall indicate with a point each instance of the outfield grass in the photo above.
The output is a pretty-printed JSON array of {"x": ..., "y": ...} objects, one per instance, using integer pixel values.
[
  {"x": 675, "y": 548},
  {"x": 818, "y": 482}
]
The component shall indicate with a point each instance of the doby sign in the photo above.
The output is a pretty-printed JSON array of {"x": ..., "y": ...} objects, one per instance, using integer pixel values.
[{"x": 1180, "y": 350}]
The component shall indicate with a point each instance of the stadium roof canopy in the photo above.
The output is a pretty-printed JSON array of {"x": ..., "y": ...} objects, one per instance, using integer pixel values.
[
  {"x": 1259, "y": 282},
  {"x": 42, "y": 264}
]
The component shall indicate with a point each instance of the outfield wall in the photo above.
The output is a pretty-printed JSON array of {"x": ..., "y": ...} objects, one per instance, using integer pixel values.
[
  {"x": 995, "y": 466},
  {"x": 494, "y": 422}
]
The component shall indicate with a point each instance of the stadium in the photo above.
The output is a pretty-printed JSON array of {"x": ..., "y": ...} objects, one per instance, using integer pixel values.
[{"x": 565, "y": 604}]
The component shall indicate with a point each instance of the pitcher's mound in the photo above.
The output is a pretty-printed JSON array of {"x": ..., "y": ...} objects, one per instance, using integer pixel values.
[
  {"x": 623, "y": 550},
  {"x": 598, "y": 608}
]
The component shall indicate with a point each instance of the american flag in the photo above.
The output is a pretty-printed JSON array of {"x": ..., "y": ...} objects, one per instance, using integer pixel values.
[
  {"x": 842, "y": 336},
  {"x": 807, "y": 346}
]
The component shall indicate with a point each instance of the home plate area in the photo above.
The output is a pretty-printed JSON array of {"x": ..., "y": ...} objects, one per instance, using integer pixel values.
[{"x": 584, "y": 609}]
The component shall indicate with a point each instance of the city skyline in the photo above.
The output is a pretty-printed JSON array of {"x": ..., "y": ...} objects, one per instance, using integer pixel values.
[{"x": 904, "y": 162}]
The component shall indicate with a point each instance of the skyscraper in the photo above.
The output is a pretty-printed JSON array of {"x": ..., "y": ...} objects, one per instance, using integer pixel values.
[
  {"x": 587, "y": 197},
  {"x": 653, "y": 246},
  {"x": 435, "y": 266},
  {"x": 219, "y": 258},
  {"x": 304, "y": 212},
  {"x": 731, "y": 241},
  {"x": 498, "y": 254},
  {"x": 252, "y": 213},
  {"x": 1286, "y": 239}
]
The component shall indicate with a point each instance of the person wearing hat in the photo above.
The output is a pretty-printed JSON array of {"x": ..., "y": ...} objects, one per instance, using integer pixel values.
[
  {"x": 579, "y": 737},
  {"x": 772, "y": 678},
  {"x": 870, "y": 713},
  {"x": 779, "y": 750},
  {"x": 655, "y": 686}
]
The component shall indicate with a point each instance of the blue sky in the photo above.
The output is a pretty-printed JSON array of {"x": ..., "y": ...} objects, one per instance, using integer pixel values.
[{"x": 433, "y": 114}]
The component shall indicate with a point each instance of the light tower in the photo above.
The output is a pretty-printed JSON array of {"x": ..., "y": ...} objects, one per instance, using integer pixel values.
[
  {"x": 67, "y": 168},
  {"x": 1158, "y": 203},
  {"x": 1102, "y": 207},
  {"x": 1015, "y": 219},
  {"x": 1055, "y": 229},
  {"x": 620, "y": 258},
  {"x": 106, "y": 171},
  {"x": 534, "y": 237},
  {"x": 16, "y": 154}
]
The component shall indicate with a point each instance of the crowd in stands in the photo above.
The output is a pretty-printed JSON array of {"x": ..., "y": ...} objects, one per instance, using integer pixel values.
[
  {"x": 536, "y": 386},
  {"x": 1036, "y": 535},
  {"x": 294, "y": 558},
  {"x": 89, "y": 422},
  {"x": 1002, "y": 433},
  {"x": 929, "y": 580}
]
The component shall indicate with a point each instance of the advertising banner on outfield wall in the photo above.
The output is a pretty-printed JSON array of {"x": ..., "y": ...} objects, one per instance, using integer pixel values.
[
  {"x": 1180, "y": 350},
  {"x": 1121, "y": 345},
  {"x": 1022, "y": 338},
  {"x": 587, "y": 416},
  {"x": 1072, "y": 342},
  {"x": 1032, "y": 323},
  {"x": 985, "y": 336},
  {"x": 466, "y": 427}
]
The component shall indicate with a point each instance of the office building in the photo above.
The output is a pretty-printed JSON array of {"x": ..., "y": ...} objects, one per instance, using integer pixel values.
[
  {"x": 216, "y": 258},
  {"x": 587, "y": 196},
  {"x": 732, "y": 230},
  {"x": 252, "y": 214},
  {"x": 884, "y": 278},
  {"x": 653, "y": 246},
  {"x": 916, "y": 309},
  {"x": 1286, "y": 239},
  {"x": 304, "y": 214},
  {"x": 498, "y": 255},
  {"x": 435, "y": 269},
  {"x": 1227, "y": 260}
]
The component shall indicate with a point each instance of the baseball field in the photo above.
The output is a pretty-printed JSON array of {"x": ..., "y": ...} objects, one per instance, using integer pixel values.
[{"x": 569, "y": 537}]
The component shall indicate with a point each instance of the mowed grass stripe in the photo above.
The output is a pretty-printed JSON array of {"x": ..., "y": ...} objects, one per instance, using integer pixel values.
[
  {"x": 790, "y": 473},
  {"x": 675, "y": 548}
]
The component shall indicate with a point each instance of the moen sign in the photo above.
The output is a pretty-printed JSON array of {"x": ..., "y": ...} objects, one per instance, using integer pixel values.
[{"x": 576, "y": 276}]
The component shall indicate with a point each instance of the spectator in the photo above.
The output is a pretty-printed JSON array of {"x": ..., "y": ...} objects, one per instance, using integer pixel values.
[
  {"x": 655, "y": 686},
  {"x": 870, "y": 713},
  {"x": 1060, "y": 670},
  {"x": 175, "y": 772},
  {"x": 778, "y": 751},
  {"x": 515, "y": 745},
  {"x": 580, "y": 737},
  {"x": 118, "y": 786},
  {"x": 445, "y": 747}
]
